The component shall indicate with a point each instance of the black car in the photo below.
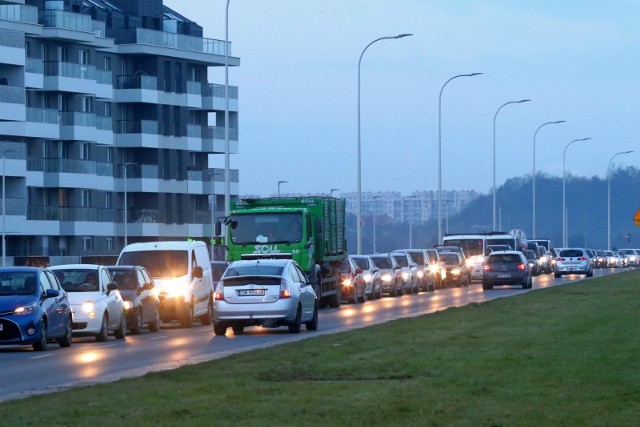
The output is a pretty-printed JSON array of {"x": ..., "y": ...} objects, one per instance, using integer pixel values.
[
  {"x": 533, "y": 262},
  {"x": 140, "y": 297},
  {"x": 457, "y": 271},
  {"x": 506, "y": 268}
]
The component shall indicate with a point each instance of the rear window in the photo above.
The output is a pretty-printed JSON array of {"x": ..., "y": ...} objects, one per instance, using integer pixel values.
[
  {"x": 571, "y": 253},
  {"x": 504, "y": 258},
  {"x": 450, "y": 259},
  {"x": 259, "y": 281},
  {"x": 361, "y": 263},
  {"x": 254, "y": 270}
]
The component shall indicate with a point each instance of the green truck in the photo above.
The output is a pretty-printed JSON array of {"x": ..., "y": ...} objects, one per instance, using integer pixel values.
[{"x": 310, "y": 230}]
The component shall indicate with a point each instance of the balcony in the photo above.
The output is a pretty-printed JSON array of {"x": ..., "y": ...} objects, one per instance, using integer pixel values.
[
  {"x": 137, "y": 133},
  {"x": 12, "y": 47},
  {"x": 54, "y": 213},
  {"x": 70, "y": 77},
  {"x": 12, "y": 103},
  {"x": 213, "y": 97},
  {"x": 211, "y": 139},
  {"x": 15, "y": 206},
  {"x": 78, "y": 126},
  {"x": 72, "y": 26},
  {"x": 34, "y": 73},
  {"x": 40, "y": 123},
  {"x": 19, "y": 13},
  {"x": 146, "y": 41},
  {"x": 104, "y": 84}
]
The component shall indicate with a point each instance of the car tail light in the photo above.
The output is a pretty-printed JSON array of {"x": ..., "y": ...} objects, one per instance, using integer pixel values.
[
  {"x": 285, "y": 292},
  {"x": 218, "y": 294},
  {"x": 559, "y": 259},
  {"x": 582, "y": 258},
  {"x": 521, "y": 266},
  {"x": 486, "y": 267}
]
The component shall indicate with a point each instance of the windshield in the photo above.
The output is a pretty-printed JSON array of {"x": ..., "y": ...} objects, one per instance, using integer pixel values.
[
  {"x": 217, "y": 270},
  {"x": 433, "y": 257},
  {"x": 382, "y": 262},
  {"x": 361, "y": 263},
  {"x": 401, "y": 260},
  {"x": 509, "y": 241},
  {"x": 78, "y": 280},
  {"x": 543, "y": 243},
  {"x": 470, "y": 246},
  {"x": 266, "y": 228},
  {"x": 450, "y": 259},
  {"x": 254, "y": 270},
  {"x": 17, "y": 283},
  {"x": 125, "y": 279},
  {"x": 417, "y": 257},
  {"x": 160, "y": 264},
  {"x": 531, "y": 255}
]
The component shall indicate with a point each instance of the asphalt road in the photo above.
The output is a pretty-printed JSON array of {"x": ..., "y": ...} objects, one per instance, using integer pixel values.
[{"x": 26, "y": 372}]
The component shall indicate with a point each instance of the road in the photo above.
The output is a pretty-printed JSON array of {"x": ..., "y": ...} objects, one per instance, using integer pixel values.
[{"x": 26, "y": 372}]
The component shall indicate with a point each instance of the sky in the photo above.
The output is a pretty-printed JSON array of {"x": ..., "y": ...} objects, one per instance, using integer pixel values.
[{"x": 577, "y": 60}]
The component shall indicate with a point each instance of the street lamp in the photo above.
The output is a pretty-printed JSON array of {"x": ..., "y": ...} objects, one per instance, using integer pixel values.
[
  {"x": 609, "y": 197},
  {"x": 332, "y": 190},
  {"x": 126, "y": 204},
  {"x": 213, "y": 211},
  {"x": 374, "y": 221},
  {"x": 494, "y": 153},
  {"x": 359, "y": 170},
  {"x": 564, "y": 199},
  {"x": 533, "y": 177},
  {"x": 227, "y": 160},
  {"x": 4, "y": 211},
  {"x": 281, "y": 182},
  {"x": 411, "y": 198},
  {"x": 440, "y": 151}
]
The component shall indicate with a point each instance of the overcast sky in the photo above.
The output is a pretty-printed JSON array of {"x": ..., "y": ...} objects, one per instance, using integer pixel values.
[{"x": 577, "y": 60}]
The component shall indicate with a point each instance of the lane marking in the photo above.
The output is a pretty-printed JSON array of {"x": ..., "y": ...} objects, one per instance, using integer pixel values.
[
  {"x": 159, "y": 338},
  {"x": 40, "y": 357}
]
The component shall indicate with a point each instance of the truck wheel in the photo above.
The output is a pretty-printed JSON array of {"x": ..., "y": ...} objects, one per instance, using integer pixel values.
[
  {"x": 335, "y": 299},
  {"x": 187, "y": 317}
]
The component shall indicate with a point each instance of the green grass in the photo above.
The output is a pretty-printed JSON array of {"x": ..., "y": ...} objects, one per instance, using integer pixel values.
[{"x": 566, "y": 355}]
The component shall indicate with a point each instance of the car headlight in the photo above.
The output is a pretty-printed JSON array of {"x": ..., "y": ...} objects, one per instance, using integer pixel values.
[
  {"x": 25, "y": 309},
  {"x": 88, "y": 307},
  {"x": 421, "y": 274},
  {"x": 405, "y": 275},
  {"x": 128, "y": 305},
  {"x": 455, "y": 271},
  {"x": 387, "y": 278},
  {"x": 346, "y": 282},
  {"x": 176, "y": 288}
]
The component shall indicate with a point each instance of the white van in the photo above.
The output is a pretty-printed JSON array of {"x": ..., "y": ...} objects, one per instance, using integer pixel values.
[{"x": 182, "y": 274}]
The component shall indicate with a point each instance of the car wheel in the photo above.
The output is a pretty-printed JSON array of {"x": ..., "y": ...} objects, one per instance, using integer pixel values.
[
  {"x": 65, "y": 341},
  {"x": 103, "y": 335},
  {"x": 41, "y": 344},
  {"x": 486, "y": 286},
  {"x": 294, "y": 327},
  {"x": 154, "y": 326},
  {"x": 121, "y": 332},
  {"x": 313, "y": 324},
  {"x": 557, "y": 275},
  {"x": 363, "y": 296},
  {"x": 336, "y": 299},
  {"x": 205, "y": 319},
  {"x": 237, "y": 328},
  {"x": 379, "y": 293},
  {"x": 219, "y": 328},
  {"x": 187, "y": 316},
  {"x": 138, "y": 325},
  {"x": 590, "y": 273}
]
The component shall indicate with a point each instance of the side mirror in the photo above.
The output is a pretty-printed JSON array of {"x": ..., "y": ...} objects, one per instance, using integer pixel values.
[
  {"x": 197, "y": 272},
  {"x": 111, "y": 287},
  {"x": 218, "y": 229},
  {"x": 52, "y": 293},
  {"x": 359, "y": 271}
]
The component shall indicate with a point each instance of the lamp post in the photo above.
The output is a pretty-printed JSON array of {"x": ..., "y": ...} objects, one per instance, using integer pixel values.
[
  {"x": 332, "y": 190},
  {"x": 227, "y": 160},
  {"x": 411, "y": 198},
  {"x": 213, "y": 212},
  {"x": 609, "y": 197},
  {"x": 440, "y": 151},
  {"x": 564, "y": 199},
  {"x": 495, "y": 116},
  {"x": 533, "y": 177},
  {"x": 281, "y": 182},
  {"x": 359, "y": 162},
  {"x": 374, "y": 221},
  {"x": 126, "y": 204},
  {"x": 4, "y": 211}
]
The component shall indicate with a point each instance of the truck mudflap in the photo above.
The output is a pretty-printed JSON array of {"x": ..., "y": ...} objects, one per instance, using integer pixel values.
[{"x": 329, "y": 292}]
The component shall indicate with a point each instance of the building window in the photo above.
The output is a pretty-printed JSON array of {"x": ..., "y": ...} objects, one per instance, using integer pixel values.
[
  {"x": 107, "y": 63},
  {"x": 109, "y": 244},
  {"x": 84, "y": 58},
  {"x": 107, "y": 200},
  {"x": 85, "y": 198},
  {"x": 84, "y": 151},
  {"x": 87, "y": 243},
  {"x": 87, "y": 105}
]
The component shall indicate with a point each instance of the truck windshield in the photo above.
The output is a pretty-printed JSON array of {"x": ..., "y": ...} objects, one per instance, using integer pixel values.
[
  {"x": 266, "y": 227},
  {"x": 161, "y": 264},
  {"x": 511, "y": 242}
]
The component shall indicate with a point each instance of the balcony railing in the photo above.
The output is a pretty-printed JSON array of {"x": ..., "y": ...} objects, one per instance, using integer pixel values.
[
  {"x": 217, "y": 90},
  {"x": 69, "y": 69},
  {"x": 43, "y": 115},
  {"x": 171, "y": 40},
  {"x": 54, "y": 213},
  {"x": 194, "y": 88},
  {"x": 139, "y": 171},
  {"x": 12, "y": 94},
  {"x": 211, "y": 132},
  {"x": 34, "y": 65},
  {"x": 104, "y": 77},
  {"x": 137, "y": 126},
  {"x": 139, "y": 81},
  {"x": 104, "y": 123},
  {"x": 19, "y": 13},
  {"x": 72, "y": 21},
  {"x": 104, "y": 169},
  {"x": 87, "y": 167},
  {"x": 218, "y": 175},
  {"x": 77, "y": 118},
  {"x": 15, "y": 206}
]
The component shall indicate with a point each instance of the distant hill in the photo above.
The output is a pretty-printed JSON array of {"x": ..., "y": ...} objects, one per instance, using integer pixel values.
[{"x": 586, "y": 205}]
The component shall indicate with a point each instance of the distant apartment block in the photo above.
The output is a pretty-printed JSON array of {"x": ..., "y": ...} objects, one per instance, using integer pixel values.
[
  {"x": 419, "y": 206},
  {"x": 103, "y": 102}
]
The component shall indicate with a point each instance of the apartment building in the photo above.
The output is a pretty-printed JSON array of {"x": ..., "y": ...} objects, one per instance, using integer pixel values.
[{"x": 108, "y": 126}]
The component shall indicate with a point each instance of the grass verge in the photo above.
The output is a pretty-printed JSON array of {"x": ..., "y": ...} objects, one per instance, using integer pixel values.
[{"x": 566, "y": 355}]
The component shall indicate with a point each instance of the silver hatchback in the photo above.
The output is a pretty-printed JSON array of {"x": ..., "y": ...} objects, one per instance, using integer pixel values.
[
  {"x": 268, "y": 293},
  {"x": 573, "y": 261}
]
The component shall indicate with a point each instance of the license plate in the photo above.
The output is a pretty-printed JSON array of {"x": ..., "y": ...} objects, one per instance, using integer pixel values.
[
  {"x": 251, "y": 292},
  {"x": 503, "y": 276}
]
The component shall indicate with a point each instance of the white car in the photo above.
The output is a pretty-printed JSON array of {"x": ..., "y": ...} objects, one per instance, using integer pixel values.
[
  {"x": 96, "y": 303},
  {"x": 268, "y": 293}
]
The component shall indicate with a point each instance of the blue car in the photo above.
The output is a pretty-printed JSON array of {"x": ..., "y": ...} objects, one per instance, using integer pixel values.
[{"x": 33, "y": 308}]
